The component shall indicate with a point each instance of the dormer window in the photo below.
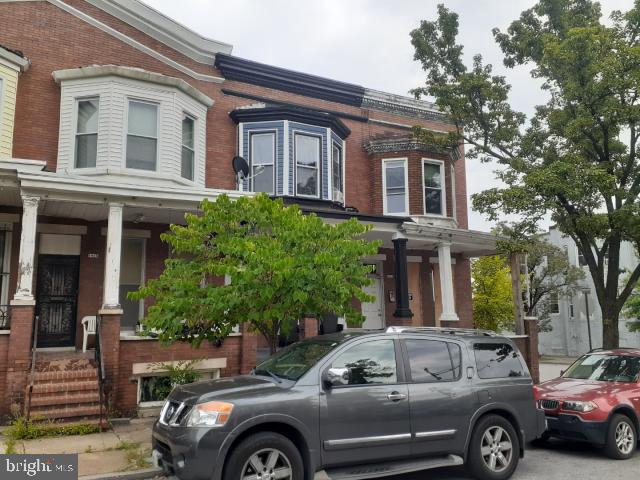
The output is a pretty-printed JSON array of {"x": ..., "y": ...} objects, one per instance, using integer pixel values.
[
  {"x": 433, "y": 179},
  {"x": 87, "y": 133},
  {"x": 262, "y": 156},
  {"x": 307, "y": 156},
  {"x": 188, "y": 149},
  {"x": 142, "y": 135}
]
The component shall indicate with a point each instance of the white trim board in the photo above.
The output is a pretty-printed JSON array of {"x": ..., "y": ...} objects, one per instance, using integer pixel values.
[
  {"x": 130, "y": 232},
  {"x": 150, "y": 369}
]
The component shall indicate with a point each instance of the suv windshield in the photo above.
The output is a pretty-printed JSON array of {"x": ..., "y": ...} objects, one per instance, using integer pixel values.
[
  {"x": 605, "y": 368},
  {"x": 294, "y": 361}
]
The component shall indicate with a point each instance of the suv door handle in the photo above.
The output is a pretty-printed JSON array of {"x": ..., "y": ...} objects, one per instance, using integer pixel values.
[{"x": 396, "y": 396}]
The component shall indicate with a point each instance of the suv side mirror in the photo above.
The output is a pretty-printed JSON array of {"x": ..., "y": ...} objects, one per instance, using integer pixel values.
[
  {"x": 336, "y": 377},
  {"x": 562, "y": 372}
]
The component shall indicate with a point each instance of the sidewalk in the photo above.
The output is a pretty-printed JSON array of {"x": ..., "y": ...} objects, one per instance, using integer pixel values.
[{"x": 126, "y": 448}]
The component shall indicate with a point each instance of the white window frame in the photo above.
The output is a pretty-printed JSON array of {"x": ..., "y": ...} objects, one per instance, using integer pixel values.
[
  {"x": 74, "y": 160},
  {"x": 297, "y": 133},
  {"x": 274, "y": 136},
  {"x": 443, "y": 189},
  {"x": 339, "y": 146},
  {"x": 182, "y": 145},
  {"x": 385, "y": 162},
  {"x": 212, "y": 374},
  {"x": 130, "y": 100},
  {"x": 454, "y": 204}
]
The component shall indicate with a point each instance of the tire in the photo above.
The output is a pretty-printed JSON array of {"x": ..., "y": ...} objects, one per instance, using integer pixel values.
[
  {"x": 622, "y": 439},
  {"x": 257, "y": 452},
  {"x": 485, "y": 450}
]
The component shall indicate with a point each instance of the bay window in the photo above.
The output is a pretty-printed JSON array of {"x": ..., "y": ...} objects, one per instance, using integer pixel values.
[
  {"x": 395, "y": 183},
  {"x": 87, "y": 133},
  {"x": 337, "y": 181},
  {"x": 142, "y": 135},
  {"x": 307, "y": 158},
  {"x": 433, "y": 181},
  {"x": 188, "y": 149},
  {"x": 262, "y": 155}
]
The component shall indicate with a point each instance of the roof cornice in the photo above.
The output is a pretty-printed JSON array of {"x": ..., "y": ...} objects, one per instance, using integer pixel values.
[
  {"x": 96, "y": 71},
  {"x": 311, "y": 117},
  {"x": 255, "y": 73},
  {"x": 389, "y": 145},
  {"x": 403, "y": 106},
  {"x": 164, "y": 29},
  {"x": 11, "y": 59}
]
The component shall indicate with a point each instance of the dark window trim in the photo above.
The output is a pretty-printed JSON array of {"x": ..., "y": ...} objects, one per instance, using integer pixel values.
[
  {"x": 297, "y": 133},
  {"x": 275, "y": 156}
]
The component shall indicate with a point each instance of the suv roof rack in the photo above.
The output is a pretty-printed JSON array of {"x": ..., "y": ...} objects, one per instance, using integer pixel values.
[{"x": 446, "y": 330}]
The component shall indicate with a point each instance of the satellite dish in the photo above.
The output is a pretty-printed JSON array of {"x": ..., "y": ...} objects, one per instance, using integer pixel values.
[{"x": 240, "y": 166}]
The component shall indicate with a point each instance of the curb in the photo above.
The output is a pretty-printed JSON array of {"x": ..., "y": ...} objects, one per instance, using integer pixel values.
[{"x": 135, "y": 475}]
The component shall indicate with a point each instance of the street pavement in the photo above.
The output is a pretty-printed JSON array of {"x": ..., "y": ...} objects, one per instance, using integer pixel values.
[{"x": 558, "y": 460}]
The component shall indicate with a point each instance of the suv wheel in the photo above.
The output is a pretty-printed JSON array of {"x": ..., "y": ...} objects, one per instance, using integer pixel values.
[
  {"x": 621, "y": 438},
  {"x": 494, "y": 450},
  {"x": 264, "y": 456}
]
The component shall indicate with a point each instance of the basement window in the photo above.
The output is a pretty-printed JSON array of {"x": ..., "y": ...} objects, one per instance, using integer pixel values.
[{"x": 153, "y": 390}]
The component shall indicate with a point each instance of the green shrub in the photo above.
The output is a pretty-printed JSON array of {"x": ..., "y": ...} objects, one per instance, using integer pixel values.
[{"x": 21, "y": 429}]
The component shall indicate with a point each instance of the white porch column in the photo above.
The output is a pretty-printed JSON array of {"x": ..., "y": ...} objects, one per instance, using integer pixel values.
[
  {"x": 24, "y": 291},
  {"x": 111, "y": 292},
  {"x": 446, "y": 283}
]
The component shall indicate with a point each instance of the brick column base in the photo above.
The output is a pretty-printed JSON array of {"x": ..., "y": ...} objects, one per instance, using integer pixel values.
[
  {"x": 18, "y": 355},
  {"x": 533, "y": 356},
  {"x": 110, "y": 343},
  {"x": 309, "y": 327},
  {"x": 249, "y": 350}
]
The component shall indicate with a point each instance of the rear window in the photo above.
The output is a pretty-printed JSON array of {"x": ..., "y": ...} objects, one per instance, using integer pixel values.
[
  {"x": 433, "y": 360},
  {"x": 497, "y": 360}
]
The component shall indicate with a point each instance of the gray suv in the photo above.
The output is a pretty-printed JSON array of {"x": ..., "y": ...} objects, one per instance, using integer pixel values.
[{"x": 357, "y": 404}]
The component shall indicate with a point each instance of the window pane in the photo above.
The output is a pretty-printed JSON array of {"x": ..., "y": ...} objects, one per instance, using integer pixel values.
[
  {"x": 307, "y": 181},
  {"x": 396, "y": 203},
  {"x": 143, "y": 119},
  {"x": 430, "y": 360},
  {"x": 86, "y": 150},
  {"x": 433, "y": 201},
  {"x": 370, "y": 362},
  {"x": 497, "y": 360},
  {"x": 187, "y": 163},
  {"x": 337, "y": 168},
  {"x": 141, "y": 153},
  {"x": 88, "y": 116},
  {"x": 307, "y": 150},
  {"x": 262, "y": 148},
  {"x": 394, "y": 175},
  {"x": 187, "y": 132},
  {"x": 432, "y": 177},
  {"x": 263, "y": 179}
]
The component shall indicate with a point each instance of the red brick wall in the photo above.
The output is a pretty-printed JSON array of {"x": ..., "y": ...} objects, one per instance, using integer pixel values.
[
  {"x": 4, "y": 351},
  {"x": 18, "y": 355}
]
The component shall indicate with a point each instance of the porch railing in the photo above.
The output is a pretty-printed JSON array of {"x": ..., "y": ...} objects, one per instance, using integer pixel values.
[
  {"x": 100, "y": 366},
  {"x": 5, "y": 317},
  {"x": 32, "y": 373}
]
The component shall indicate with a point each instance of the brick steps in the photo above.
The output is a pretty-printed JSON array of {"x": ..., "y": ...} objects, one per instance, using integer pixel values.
[{"x": 66, "y": 390}]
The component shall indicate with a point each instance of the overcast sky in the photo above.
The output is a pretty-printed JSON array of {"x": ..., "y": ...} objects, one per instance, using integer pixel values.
[{"x": 362, "y": 41}]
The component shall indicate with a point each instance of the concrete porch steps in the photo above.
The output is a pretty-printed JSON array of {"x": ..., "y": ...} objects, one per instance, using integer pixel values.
[{"x": 65, "y": 389}]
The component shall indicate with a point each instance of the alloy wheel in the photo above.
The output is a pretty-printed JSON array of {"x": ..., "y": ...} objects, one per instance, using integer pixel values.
[
  {"x": 496, "y": 449},
  {"x": 625, "y": 439},
  {"x": 267, "y": 464}
]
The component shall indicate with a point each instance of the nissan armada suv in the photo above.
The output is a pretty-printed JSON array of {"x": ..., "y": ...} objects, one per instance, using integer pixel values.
[{"x": 357, "y": 404}]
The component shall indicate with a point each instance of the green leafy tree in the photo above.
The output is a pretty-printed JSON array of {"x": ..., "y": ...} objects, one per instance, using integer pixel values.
[
  {"x": 491, "y": 287},
  {"x": 632, "y": 310},
  {"x": 576, "y": 157},
  {"x": 282, "y": 263}
]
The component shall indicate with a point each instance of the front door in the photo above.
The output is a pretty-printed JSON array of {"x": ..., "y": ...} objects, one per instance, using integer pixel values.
[
  {"x": 366, "y": 420},
  {"x": 372, "y": 311},
  {"x": 56, "y": 299}
]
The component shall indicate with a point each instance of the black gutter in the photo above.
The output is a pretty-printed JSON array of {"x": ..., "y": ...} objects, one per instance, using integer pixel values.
[{"x": 255, "y": 73}]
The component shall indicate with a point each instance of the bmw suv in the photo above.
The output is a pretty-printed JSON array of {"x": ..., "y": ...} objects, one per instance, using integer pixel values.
[{"x": 357, "y": 404}]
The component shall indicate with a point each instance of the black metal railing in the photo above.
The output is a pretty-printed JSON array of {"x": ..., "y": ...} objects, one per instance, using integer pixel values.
[
  {"x": 5, "y": 317},
  {"x": 32, "y": 374},
  {"x": 100, "y": 366}
]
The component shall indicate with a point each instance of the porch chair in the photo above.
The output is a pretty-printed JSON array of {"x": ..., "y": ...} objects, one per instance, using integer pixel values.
[{"x": 89, "y": 327}]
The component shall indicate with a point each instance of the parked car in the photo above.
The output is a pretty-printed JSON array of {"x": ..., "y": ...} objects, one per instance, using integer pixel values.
[
  {"x": 596, "y": 400},
  {"x": 358, "y": 404}
]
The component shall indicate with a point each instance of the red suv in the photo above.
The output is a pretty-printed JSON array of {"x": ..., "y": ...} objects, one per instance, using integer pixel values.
[{"x": 596, "y": 400}]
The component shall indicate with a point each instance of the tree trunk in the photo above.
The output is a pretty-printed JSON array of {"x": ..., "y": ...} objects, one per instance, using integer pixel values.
[{"x": 610, "y": 328}]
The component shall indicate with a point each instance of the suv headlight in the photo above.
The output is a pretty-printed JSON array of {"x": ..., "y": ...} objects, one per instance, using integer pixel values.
[
  {"x": 577, "y": 406},
  {"x": 209, "y": 414}
]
